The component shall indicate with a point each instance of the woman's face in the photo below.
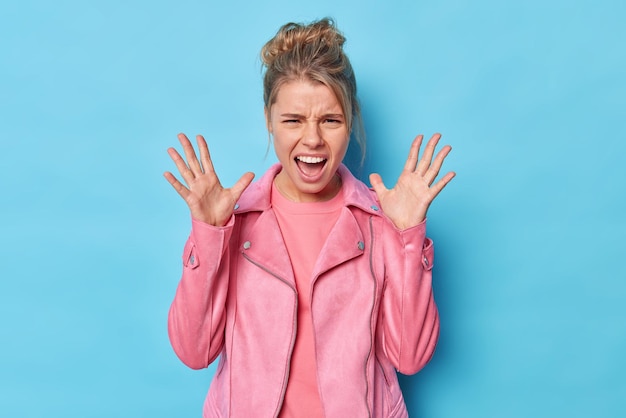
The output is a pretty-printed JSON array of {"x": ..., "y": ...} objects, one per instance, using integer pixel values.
[{"x": 310, "y": 139}]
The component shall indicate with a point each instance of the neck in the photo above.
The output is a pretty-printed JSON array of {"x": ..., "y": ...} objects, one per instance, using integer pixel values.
[{"x": 330, "y": 191}]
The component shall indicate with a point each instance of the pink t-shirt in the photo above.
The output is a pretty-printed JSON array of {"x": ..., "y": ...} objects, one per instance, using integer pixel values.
[{"x": 305, "y": 227}]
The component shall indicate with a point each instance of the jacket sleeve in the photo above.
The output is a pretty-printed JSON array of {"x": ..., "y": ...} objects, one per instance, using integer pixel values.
[
  {"x": 197, "y": 315},
  {"x": 410, "y": 321}
]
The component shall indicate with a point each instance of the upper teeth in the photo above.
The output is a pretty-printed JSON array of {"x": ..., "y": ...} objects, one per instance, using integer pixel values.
[{"x": 310, "y": 160}]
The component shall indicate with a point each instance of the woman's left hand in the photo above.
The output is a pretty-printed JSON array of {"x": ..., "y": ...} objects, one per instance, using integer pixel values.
[{"x": 407, "y": 203}]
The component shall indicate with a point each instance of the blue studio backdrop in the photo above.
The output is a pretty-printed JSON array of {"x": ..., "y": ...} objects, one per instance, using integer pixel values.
[{"x": 529, "y": 274}]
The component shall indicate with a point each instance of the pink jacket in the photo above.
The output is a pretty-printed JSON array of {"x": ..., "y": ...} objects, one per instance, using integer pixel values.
[{"x": 372, "y": 307}]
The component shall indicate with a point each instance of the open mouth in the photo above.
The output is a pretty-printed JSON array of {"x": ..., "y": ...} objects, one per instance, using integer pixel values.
[{"x": 310, "y": 166}]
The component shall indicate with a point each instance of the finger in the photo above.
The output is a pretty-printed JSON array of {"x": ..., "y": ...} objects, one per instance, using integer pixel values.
[
  {"x": 426, "y": 159},
  {"x": 443, "y": 182},
  {"x": 377, "y": 184},
  {"x": 205, "y": 155},
  {"x": 182, "y": 167},
  {"x": 433, "y": 170},
  {"x": 411, "y": 161},
  {"x": 241, "y": 185},
  {"x": 190, "y": 154},
  {"x": 177, "y": 185}
]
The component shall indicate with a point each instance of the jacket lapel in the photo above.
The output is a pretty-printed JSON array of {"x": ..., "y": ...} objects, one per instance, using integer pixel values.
[
  {"x": 345, "y": 241},
  {"x": 263, "y": 244}
]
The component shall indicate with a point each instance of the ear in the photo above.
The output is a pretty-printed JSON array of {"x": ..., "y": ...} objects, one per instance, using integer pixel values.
[{"x": 268, "y": 122}]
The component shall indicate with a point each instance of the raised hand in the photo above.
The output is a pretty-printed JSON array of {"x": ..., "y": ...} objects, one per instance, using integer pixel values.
[
  {"x": 407, "y": 203},
  {"x": 208, "y": 201}
]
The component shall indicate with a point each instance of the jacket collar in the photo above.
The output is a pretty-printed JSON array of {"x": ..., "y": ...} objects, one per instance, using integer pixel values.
[{"x": 355, "y": 193}]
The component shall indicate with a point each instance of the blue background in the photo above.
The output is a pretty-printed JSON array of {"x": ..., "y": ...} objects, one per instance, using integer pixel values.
[{"x": 530, "y": 275}]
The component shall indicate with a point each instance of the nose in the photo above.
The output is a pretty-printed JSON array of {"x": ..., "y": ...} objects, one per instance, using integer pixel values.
[{"x": 312, "y": 135}]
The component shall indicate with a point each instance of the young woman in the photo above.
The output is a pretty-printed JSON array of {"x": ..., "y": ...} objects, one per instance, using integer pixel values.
[{"x": 311, "y": 288}]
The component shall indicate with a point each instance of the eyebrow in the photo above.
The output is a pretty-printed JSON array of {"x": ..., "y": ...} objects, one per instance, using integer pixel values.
[{"x": 298, "y": 116}]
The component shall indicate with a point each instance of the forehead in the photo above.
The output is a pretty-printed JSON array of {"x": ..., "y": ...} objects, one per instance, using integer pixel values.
[{"x": 307, "y": 95}]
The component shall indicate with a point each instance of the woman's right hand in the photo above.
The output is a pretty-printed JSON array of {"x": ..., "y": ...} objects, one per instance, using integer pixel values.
[{"x": 208, "y": 201}]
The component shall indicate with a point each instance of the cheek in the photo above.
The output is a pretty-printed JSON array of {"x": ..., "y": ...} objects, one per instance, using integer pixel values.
[
  {"x": 342, "y": 143},
  {"x": 282, "y": 144}
]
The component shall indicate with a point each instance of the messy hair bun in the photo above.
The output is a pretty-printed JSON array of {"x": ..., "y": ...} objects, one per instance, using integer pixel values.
[
  {"x": 321, "y": 40},
  {"x": 312, "y": 52}
]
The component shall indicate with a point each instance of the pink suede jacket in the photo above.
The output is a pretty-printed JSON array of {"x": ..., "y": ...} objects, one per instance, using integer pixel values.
[{"x": 372, "y": 307}]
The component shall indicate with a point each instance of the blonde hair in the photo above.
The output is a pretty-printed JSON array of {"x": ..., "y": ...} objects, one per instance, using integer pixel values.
[{"x": 313, "y": 52}]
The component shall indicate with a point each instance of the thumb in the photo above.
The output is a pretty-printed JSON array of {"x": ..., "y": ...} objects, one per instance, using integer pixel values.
[
  {"x": 241, "y": 185},
  {"x": 377, "y": 184}
]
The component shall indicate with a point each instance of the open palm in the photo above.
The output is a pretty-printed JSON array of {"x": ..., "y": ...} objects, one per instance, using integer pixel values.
[
  {"x": 208, "y": 201},
  {"x": 407, "y": 202}
]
